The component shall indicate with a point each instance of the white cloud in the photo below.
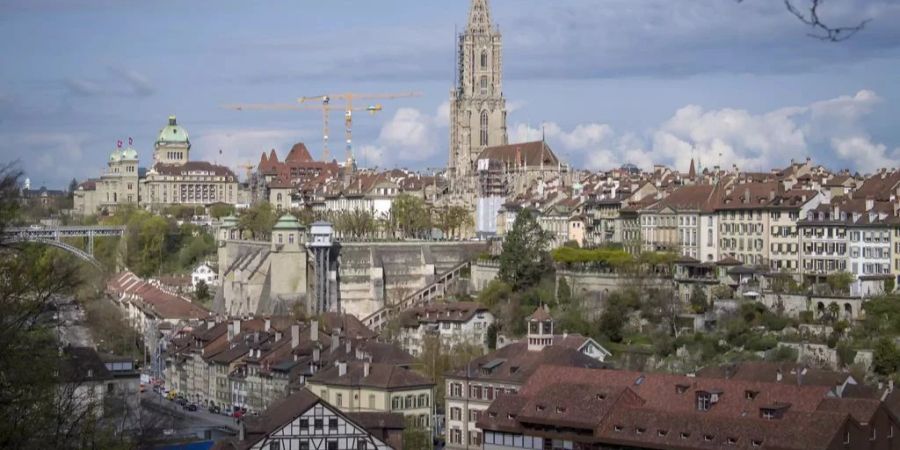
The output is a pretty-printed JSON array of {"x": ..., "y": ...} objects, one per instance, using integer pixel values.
[
  {"x": 868, "y": 156},
  {"x": 727, "y": 137},
  {"x": 410, "y": 136},
  {"x": 240, "y": 146}
]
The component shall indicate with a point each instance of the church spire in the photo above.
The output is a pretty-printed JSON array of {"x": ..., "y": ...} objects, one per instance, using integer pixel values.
[{"x": 479, "y": 16}]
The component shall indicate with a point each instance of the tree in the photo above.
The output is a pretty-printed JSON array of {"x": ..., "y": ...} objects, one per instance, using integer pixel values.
[
  {"x": 820, "y": 30},
  {"x": 839, "y": 282},
  {"x": 491, "y": 337},
  {"x": 889, "y": 285},
  {"x": 524, "y": 259},
  {"x": 699, "y": 302},
  {"x": 886, "y": 357},
  {"x": 73, "y": 186},
  {"x": 201, "y": 291},
  {"x": 563, "y": 293},
  {"x": 258, "y": 220},
  {"x": 415, "y": 438},
  {"x": 612, "y": 321},
  {"x": 220, "y": 210},
  {"x": 453, "y": 220},
  {"x": 409, "y": 216},
  {"x": 846, "y": 355},
  {"x": 495, "y": 291}
]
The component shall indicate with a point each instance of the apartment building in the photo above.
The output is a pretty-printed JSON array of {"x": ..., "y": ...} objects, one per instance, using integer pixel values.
[
  {"x": 744, "y": 221},
  {"x": 453, "y": 323},
  {"x": 784, "y": 238},
  {"x": 471, "y": 390},
  {"x": 376, "y": 387}
]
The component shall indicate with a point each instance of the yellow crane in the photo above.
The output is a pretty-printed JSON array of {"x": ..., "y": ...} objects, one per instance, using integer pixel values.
[
  {"x": 326, "y": 107},
  {"x": 348, "y": 98}
]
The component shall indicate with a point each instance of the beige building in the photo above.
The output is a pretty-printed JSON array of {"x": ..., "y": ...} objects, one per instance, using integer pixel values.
[
  {"x": 744, "y": 221},
  {"x": 477, "y": 105},
  {"x": 117, "y": 186},
  {"x": 373, "y": 387}
]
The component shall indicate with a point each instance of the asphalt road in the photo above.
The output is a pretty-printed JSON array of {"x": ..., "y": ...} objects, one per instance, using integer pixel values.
[{"x": 200, "y": 418}]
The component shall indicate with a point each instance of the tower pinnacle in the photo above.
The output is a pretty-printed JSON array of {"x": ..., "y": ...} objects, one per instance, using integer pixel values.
[{"x": 479, "y": 17}]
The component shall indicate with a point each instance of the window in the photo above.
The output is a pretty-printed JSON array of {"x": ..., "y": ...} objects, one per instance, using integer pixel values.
[
  {"x": 304, "y": 445},
  {"x": 484, "y": 59},
  {"x": 332, "y": 444},
  {"x": 332, "y": 423},
  {"x": 484, "y": 128},
  {"x": 338, "y": 398},
  {"x": 455, "y": 413},
  {"x": 456, "y": 436},
  {"x": 275, "y": 445},
  {"x": 304, "y": 424},
  {"x": 317, "y": 424},
  {"x": 703, "y": 401},
  {"x": 484, "y": 85},
  {"x": 361, "y": 444}
]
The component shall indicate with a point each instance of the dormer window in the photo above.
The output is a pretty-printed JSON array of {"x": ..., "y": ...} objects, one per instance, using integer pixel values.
[
  {"x": 640, "y": 430},
  {"x": 662, "y": 433},
  {"x": 685, "y": 435},
  {"x": 756, "y": 443},
  {"x": 704, "y": 401},
  {"x": 750, "y": 395},
  {"x": 618, "y": 428},
  {"x": 731, "y": 441},
  {"x": 681, "y": 388},
  {"x": 539, "y": 407},
  {"x": 560, "y": 409},
  {"x": 708, "y": 437},
  {"x": 601, "y": 396}
]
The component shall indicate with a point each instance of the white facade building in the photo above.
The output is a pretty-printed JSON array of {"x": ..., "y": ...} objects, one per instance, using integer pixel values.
[
  {"x": 454, "y": 323},
  {"x": 204, "y": 272}
]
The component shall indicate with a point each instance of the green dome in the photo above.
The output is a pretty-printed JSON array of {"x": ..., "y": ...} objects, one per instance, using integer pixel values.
[
  {"x": 173, "y": 134},
  {"x": 287, "y": 222},
  {"x": 129, "y": 154},
  {"x": 115, "y": 156}
]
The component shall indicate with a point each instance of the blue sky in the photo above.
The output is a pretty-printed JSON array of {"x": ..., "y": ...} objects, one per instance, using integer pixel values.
[{"x": 647, "y": 82}]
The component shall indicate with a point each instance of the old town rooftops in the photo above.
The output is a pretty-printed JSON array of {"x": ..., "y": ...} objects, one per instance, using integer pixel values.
[
  {"x": 441, "y": 312},
  {"x": 515, "y": 363},
  {"x": 375, "y": 375},
  {"x": 672, "y": 411}
]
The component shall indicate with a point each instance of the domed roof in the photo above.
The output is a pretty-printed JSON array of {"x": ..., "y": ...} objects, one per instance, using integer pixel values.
[
  {"x": 173, "y": 134},
  {"x": 129, "y": 154},
  {"x": 287, "y": 222},
  {"x": 116, "y": 155}
]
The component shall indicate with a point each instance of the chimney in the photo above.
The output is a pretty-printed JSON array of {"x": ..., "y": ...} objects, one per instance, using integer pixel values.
[
  {"x": 335, "y": 342},
  {"x": 268, "y": 324},
  {"x": 237, "y": 327},
  {"x": 230, "y": 332},
  {"x": 314, "y": 330},
  {"x": 210, "y": 324},
  {"x": 316, "y": 354},
  {"x": 348, "y": 348},
  {"x": 342, "y": 368},
  {"x": 778, "y": 375},
  {"x": 295, "y": 335},
  {"x": 746, "y": 195},
  {"x": 870, "y": 203},
  {"x": 366, "y": 369}
]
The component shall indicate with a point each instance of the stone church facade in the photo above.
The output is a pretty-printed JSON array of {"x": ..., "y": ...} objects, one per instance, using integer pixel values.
[{"x": 477, "y": 105}]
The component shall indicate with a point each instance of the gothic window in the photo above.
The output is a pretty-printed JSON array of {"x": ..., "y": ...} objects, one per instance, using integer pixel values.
[
  {"x": 484, "y": 59},
  {"x": 484, "y": 128},
  {"x": 484, "y": 85}
]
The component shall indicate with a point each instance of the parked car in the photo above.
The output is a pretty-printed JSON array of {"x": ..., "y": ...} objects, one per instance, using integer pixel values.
[
  {"x": 215, "y": 409},
  {"x": 182, "y": 401},
  {"x": 237, "y": 414},
  {"x": 192, "y": 407}
]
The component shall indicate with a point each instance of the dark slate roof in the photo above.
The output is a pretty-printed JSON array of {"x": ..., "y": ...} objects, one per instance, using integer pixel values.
[{"x": 382, "y": 376}]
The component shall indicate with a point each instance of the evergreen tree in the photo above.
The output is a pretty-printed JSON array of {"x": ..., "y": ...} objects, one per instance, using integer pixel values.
[
  {"x": 524, "y": 259},
  {"x": 886, "y": 357}
]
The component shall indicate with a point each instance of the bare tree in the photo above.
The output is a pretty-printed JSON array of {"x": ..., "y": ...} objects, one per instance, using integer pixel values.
[{"x": 810, "y": 16}]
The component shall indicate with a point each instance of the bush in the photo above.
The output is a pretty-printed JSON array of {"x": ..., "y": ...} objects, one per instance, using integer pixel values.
[
  {"x": 807, "y": 317},
  {"x": 783, "y": 354},
  {"x": 846, "y": 355},
  {"x": 761, "y": 343}
]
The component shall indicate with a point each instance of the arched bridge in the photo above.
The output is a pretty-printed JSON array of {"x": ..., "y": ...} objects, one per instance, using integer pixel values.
[{"x": 53, "y": 237}]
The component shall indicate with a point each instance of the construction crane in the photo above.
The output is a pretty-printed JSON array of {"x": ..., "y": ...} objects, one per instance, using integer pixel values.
[
  {"x": 248, "y": 167},
  {"x": 324, "y": 108},
  {"x": 348, "y": 98}
]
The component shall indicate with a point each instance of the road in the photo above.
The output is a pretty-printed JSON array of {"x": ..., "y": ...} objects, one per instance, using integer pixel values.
[{"x": 150, "y": 401}]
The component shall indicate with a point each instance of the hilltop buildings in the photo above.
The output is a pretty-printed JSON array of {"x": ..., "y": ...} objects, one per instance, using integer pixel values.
[{"x": 172, "y": 179}]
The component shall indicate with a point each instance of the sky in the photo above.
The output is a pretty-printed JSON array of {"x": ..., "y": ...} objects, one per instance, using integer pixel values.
[{"x": 606, "y": 82}]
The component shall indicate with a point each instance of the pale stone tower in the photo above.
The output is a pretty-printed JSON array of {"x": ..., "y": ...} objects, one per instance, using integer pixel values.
[
  {"x": 288, "y": 259},
  {"x": 477, "y": 106}
]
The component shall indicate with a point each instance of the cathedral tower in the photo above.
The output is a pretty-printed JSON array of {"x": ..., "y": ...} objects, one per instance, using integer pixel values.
[{"x": 477, "y": 106}]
